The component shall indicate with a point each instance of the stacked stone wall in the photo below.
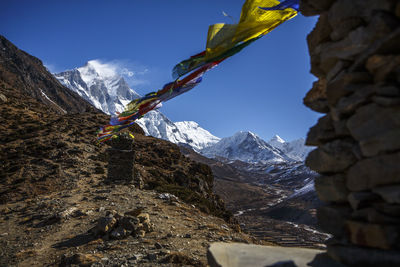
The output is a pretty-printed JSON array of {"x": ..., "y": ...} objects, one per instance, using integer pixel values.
[{"x": 354, "y": 50}]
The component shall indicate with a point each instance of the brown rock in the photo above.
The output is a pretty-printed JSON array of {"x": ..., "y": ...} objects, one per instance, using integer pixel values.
[
  {"x": 341, "y": 129},
  {"x": 316, "y": 97},
  {"x": 320, "y": 33},
  {"x": 372, "y": 235},
  {"x": 360, "y": 200},
  {"x": 345, "y": 84},
  {"x": 383, "y": 67},
  {"x": 312, "y": 7},
  {"x": 347, "y": 49},
  {"x": 119, "y": 233},
  {"x": 348, "y": 104},
  {"x": 338, "y": 68},
  {"x": 376, "y": 128},
  {"x": 332, "y": 157},
  {"x": 144, "y": 217},
  {"x": 3, "y": 98},
  {"x": 331, "y": 188},
  {"x": 332, "y": 218},
  {"x": 322, "y": 132},
  {"x": 362, "y": 256},
  {"x": 104, "y": 225},
  {"x": 343, "y": 10},
  {"x": 371, "y": 172},
  {"x": 391, "y": 194},
  {"x": 342, "y": 29},
  {"x": 388, "y": 44},
  {"x": 84, "y": 259}
]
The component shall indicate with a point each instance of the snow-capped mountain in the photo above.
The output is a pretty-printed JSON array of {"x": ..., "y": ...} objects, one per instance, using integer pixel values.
[
  {"x": 189, "y": 133},
  {"x": 295, "y": 149},
  {"x": 247, "y": 147},
  {"x": 101, "y": 86},
  {"x": 104, "y": 88}
]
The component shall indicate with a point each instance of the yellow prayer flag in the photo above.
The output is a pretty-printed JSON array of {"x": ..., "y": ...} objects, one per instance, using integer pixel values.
[{"x": 253, "y": 23}]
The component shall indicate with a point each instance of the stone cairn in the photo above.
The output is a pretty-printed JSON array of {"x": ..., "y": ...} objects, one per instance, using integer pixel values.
[
  {"x": 121, "y": 159},
  {"x": 354, "y": 51}
]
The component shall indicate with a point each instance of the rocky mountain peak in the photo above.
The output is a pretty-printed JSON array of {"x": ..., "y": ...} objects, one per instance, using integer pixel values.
[
  {"x": 276, "y": 139},
  {"x": 100, "y": 85}
]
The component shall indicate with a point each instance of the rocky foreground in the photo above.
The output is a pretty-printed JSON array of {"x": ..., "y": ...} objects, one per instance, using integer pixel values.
[{"x": 108, "y": 225}]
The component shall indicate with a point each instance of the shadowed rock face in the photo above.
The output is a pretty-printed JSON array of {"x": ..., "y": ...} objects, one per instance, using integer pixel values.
[{"x": 354, "y": 51}]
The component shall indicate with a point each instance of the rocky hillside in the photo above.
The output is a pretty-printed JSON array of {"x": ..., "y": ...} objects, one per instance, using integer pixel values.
[
  {"x": 26, "y": 73},
  {"x": 275, "y": 202},
  {"x": 53, "y": 190}
]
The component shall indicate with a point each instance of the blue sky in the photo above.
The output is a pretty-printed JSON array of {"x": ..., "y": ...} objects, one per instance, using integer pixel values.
[{"x": 260, "y": 89}]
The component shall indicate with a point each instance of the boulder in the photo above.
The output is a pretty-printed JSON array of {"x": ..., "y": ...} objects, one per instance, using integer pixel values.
[
  {"x": 104, "y": 225},
  {"x": 332, "y": 157},
  {"x": 322, "y": 132},
  {"x": 373, "y": 235},
  {"x": 345, "y": 84},
  {"x": 376, "y": 128},
  {"x": 348, "y": 104},
  {"x": 314, "y": 7},
  {"x": 372, "y": 172},
  {"x": 331, "y": 188},
  {"x": 316, "y": 97}
]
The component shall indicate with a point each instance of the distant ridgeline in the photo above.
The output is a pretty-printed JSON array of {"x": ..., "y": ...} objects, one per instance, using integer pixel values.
[{"x": 258, "y": 17}]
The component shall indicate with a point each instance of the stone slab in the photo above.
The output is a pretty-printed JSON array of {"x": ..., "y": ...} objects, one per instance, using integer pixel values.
[{"x": 237, "y": 254}]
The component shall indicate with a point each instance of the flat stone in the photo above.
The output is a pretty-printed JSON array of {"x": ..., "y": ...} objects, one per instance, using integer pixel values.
[
  {"x": 322, "y": 132},
  {"x": 333, "y": 157},
  {"x": 372, "y": 235},
  {"x": 372, "y": 172},
  {"x": 391, "y": 194},
  {"x": 332, "y": 218},
  {"x": 347, "y": 49},
  {"x": 362, "y": 256},
  {"x": 331, "y": 188},
  {"x": 237, "y": 254},
  {"x": 84, "y": 259},
  {"x": 104, "y": 225},
  {"x": 376, "y": 128},
  {"x": 360, "y": 200},
  {"x": 3, "y": 98},
  {"x": 348, "y": 104},
  {"x": 345, "y": 84}
]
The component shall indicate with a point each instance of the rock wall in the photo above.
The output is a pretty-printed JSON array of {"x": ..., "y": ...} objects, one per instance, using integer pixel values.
[
  {"x": 354, "y": 51},
  {"x": 121, "y": 159}
]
